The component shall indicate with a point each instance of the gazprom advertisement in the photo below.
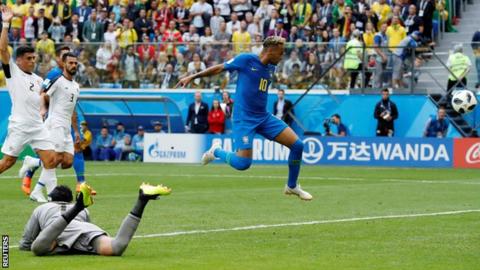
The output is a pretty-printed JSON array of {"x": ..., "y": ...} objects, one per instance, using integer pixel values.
[{"x": 356, "y": 151}]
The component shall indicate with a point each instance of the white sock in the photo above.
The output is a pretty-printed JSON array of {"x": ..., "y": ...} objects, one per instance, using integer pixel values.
[
  {"x": 32, "y": 161},
  {"x": 49, "y": 178},
  {"x": 38, "y": 188}
]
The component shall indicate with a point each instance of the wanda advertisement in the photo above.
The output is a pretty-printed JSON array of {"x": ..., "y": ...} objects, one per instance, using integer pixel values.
[{"x": 466, "y": 153}]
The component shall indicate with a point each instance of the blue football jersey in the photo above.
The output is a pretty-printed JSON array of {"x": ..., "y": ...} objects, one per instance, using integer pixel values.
[{"x": 254, "y": 78}]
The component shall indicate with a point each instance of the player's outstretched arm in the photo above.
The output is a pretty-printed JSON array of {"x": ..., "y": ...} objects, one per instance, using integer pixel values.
[
  {"x": 75, "y": 126},
  {"x": 213, "y": 70},
  {"x": 7, "y": 16}
]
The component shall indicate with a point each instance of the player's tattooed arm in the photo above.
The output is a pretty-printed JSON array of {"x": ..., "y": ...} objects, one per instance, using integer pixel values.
[
  {"x": 213, "y": 70},
  {"x": 7, "y": 16}
]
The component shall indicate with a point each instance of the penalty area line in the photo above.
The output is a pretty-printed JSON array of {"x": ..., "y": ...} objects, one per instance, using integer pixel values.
[{"x": 315, "y": 222}]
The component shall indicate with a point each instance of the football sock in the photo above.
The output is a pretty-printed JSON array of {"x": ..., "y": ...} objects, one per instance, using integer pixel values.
[
  {"x": 79, "y": 167},
  {"x": 71, "y": 213},
  {"x": 43, "y": 243},
  {"x": 231, "y": 158},
  {"x": 49, "y": 178},
  {"x": 294, "y": 161},
  {"x": 140, "y": 204},
  {"x": 35, "y": 163},
  {"x": 38, "y": 187},
  {"x": 125, "y": 234}
]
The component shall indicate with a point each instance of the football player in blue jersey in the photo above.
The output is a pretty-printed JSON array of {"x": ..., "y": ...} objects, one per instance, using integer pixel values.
[
  {"x": 27, "y": 172},
  {"x": 250, "y": 115}
]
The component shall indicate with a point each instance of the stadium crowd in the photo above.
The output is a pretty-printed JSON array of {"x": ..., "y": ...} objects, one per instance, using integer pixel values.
[{"x": 152, "y": 43}]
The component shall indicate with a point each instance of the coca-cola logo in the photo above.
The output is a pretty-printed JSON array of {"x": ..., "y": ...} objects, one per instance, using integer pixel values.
[{"x": 473, "y": 154}]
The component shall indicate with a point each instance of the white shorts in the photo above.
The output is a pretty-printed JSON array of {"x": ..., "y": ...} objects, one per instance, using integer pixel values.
[
  {"x": 18, "y": 138},
  {"x": 62, "y": 139}
]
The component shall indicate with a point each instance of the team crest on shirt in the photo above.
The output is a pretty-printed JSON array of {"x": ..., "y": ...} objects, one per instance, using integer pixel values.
[{"x": 245, "y": 139}]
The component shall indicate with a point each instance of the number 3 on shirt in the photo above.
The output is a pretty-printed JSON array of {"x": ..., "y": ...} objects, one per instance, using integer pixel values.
[{"x": 263, "y": 85}]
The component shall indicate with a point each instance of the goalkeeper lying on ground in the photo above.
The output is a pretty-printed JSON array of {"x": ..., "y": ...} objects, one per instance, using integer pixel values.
[{"x": 63, "y": 227}]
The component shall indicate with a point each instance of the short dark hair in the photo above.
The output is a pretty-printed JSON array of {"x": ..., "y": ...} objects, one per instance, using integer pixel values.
[
  {"x": 23, "y": 50},
  {"x": 59, "y": 50},
  {"x": 68, "y": 54},
  {"x": 385, "y": 90},
  {"x": 61, "y": 193},
  {"x": 337, "y": 116},
  {"x": 281, "y": 90}
]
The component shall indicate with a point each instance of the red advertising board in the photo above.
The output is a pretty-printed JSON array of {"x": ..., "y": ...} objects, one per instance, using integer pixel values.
[{"x": 466, "y": 153}]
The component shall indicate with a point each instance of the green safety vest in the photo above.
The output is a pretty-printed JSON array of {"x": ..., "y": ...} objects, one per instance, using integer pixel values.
[
  {"x": 351, "y": 57},
  {"x": 458, "y": 64}
]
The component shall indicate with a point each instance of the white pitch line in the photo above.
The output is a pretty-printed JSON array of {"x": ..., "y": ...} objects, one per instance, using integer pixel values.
[
  {"x": 421, "y": 181},
  {"x": 314, "y": 222}
]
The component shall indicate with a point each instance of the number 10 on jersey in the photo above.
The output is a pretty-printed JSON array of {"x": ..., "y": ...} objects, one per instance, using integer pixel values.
[{"x": 263, "y": 85}]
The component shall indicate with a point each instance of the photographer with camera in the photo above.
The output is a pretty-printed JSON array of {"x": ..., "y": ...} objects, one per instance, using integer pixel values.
[
  {"x": 386, "y": 113},
  {"x": 336, "y": 121}
]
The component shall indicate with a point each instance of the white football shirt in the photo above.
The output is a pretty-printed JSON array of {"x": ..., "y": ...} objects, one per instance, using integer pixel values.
[
  {"x": 24, "y": 90},
  {"x": 63, "y": 95}
]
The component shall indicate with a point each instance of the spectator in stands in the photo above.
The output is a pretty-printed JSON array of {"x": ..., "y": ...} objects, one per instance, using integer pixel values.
[
  {"x": 281, "y": 107},
  {"x": 143, "y": 26},
  {"x": 341, "y": 129},
  {"x": 157, "y": 127},
  {"x": 115, "y": 9},
  {"x": 125, "y": 150},
  {"x": 45, "y": 45},
  {"x": 241, "y": 7},
  {"x": 191, "y": 35},
  {"x": 215, "y": 21},
  {"x": 437, "y": 126},
  {"x": 381, "y": 52},
  {"x": 85, "y": 140},
  {"x": 257, "y": 45},
  {"x": 459, "y": 65},
  {"x": 278, "y": 31},
  {"x": 126, "y": 34},
  {"x": 197, "y": 118},
  {"x": 83, "y": 11},
  {"x": 325, "y": 12},
  {"x": 426, "y": 8},
  {"x": 344, "y": 23},
  {"x": 57, "y": 30},
  {"x": 132, "y": 10},
  {"x": 227, "y": 104},
  {"x": 399, "y": 55},
  {"x": 137, "y": 142},
  {"x": 395, "y": 33},
  {"x": 383, "y": 11},
  {"x": 119, "y": 140},
  {"x": 168, "y": 79},
  {"x": 62, "y": 10},
  {"x": 146, "y": 51},
  {"x": 303, "y": 13},
  {"x": 286, "y": 12},
  {"x": 476, "y": 52},
  {"x": 336, "y": 47},
  {"x": 254, "y": 27},
  {"x": 201, "y": 12},
  {"x": 313, "y": 69},
  {"x": 29, "y": 25},
  {"x": 75, "y": 28},
  {"x": 241, "y": 39},
  {"x": 222, "y": 35},
  {"x": 216, "y": 119},
  {"x": 233, "y": 25},
  {"x": 207, "y": 38},
  {"x": 386, "y": 113},
  {"x": 92, "y": 29},
  {"x": 270, "y": 22},
  {"x": 288, "y": 65},
  {"x": 104, "y": 144},
  {"x": 130, "y": 65},
  {"x": 41, "y": 23},
  {"x": 104, "y": 54},
  {"x": 163, "y": 15},
  {"x": 195, "y": 66},
  {"x": 412, "y": 21},
  {"x": 181, "y": 14}
]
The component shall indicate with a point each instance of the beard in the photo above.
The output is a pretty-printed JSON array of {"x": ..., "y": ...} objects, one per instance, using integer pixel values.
[{"x": 72, "y": 71}]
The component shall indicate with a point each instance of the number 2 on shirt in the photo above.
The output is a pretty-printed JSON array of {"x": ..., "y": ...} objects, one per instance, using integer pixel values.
[{"x": 263, "y": 85}]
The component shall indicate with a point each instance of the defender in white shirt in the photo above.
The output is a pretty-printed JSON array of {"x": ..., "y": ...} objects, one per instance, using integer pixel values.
[
  {"x": 59, "y": 99},
  {"x": 25, "y": 125}
]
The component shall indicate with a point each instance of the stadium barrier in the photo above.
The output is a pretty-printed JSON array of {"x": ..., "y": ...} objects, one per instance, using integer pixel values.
[{"x": 346, "y": 151}]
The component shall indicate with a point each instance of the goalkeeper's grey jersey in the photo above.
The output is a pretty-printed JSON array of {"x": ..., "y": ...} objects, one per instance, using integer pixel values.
[{"x": 46, "y": 213}]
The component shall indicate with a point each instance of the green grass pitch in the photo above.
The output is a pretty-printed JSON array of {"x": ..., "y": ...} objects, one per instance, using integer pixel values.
[{"x": 215, "y": 197}]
